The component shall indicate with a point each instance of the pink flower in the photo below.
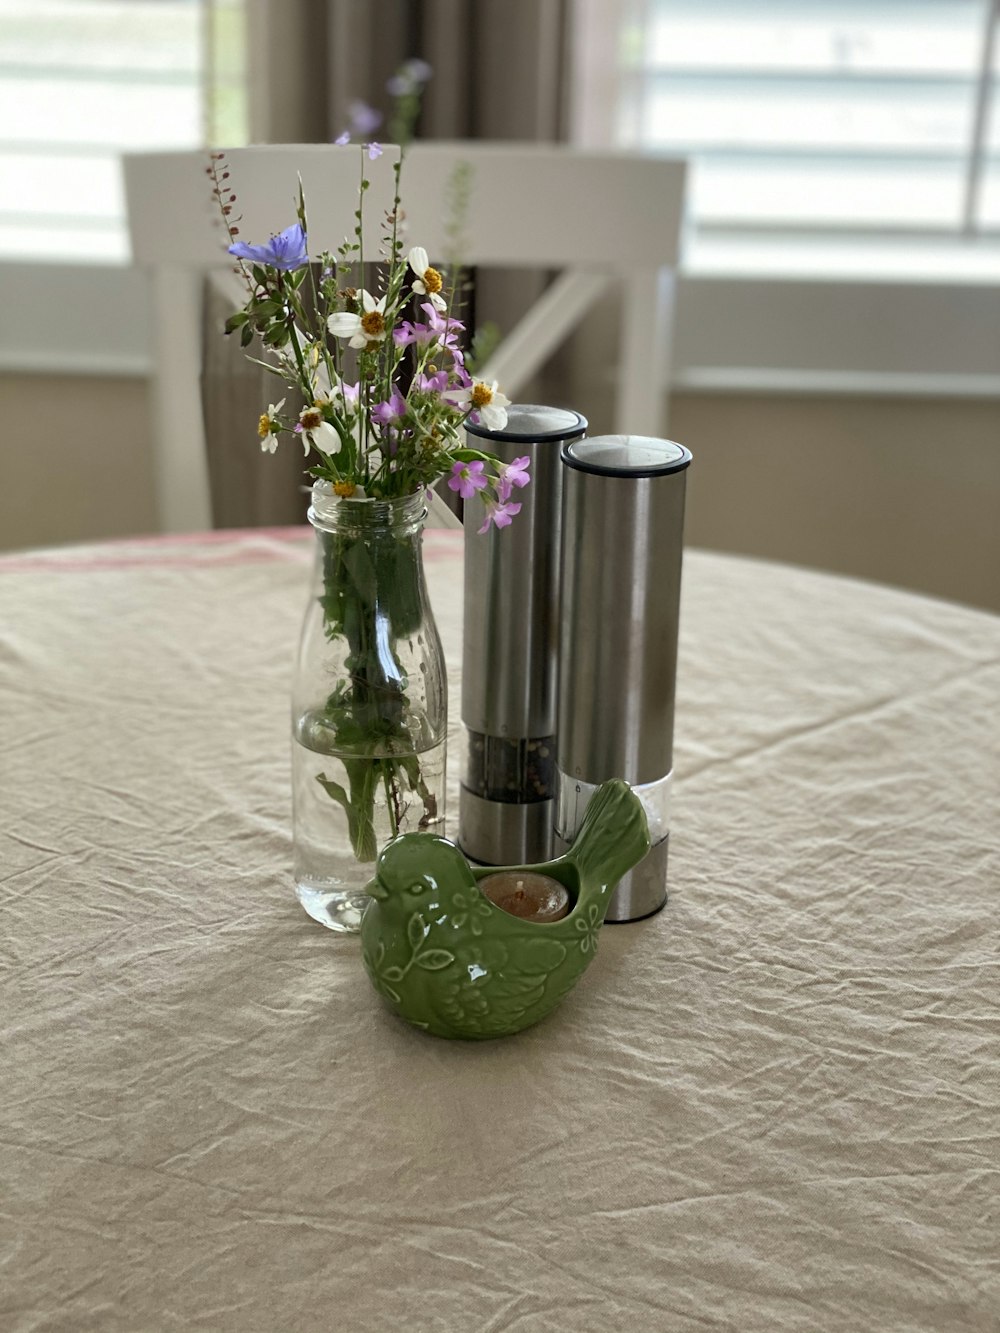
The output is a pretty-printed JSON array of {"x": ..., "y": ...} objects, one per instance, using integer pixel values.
[
  {"x": 436, "y": 383},
  {"x": 467, "y": 478},
  {"x": 500, "y": 514},
  {"x": 510, "y": 475},
  {"x": 407, "y": 333},
  {"x": 391, "y": 412},
  {"x": 442, "y": 327},
  {"x": 390, "y": 416}
]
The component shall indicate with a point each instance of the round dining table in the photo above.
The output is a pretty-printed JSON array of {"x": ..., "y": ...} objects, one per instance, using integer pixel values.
[{"x": 775, "y": 1105}]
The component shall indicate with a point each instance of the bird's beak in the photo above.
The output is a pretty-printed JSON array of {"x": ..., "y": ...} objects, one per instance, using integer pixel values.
[{"x": 375, "y": 890}]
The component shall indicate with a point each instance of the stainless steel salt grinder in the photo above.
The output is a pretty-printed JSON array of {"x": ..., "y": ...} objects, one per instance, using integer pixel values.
[
  {"x": 623, "y": 525},
  {"x": 509, "y": 668}
]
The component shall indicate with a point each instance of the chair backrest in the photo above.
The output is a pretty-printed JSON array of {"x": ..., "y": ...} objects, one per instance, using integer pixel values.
[
  {"x": 529, "y": 204},
  {"x": 600, "y": 216}
]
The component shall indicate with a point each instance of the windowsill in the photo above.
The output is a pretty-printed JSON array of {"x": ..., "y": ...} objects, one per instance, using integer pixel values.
[{"x": 80, "y": 318}]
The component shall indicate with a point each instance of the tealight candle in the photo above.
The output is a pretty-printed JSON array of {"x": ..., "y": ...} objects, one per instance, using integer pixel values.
[{"x": 526, "y": 894}]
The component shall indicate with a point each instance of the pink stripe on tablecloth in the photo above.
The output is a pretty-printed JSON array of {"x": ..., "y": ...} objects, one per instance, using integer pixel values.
[{"x": 158, "y": 551}]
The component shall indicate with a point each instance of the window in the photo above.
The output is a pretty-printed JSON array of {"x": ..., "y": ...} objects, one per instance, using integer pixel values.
[
  {"x": 841, "y": 119},
  {"x": 83, "y": 80},
  {"x": 849, "y": 149}
]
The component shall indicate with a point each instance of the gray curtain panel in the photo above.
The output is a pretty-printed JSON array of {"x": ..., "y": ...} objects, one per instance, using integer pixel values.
[
  {"x": 249, "y": 488},
  {"x": 500, "y": 71}
]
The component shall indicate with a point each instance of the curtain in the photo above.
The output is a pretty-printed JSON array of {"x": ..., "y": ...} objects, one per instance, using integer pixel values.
[{"x": 499, "y": 72}]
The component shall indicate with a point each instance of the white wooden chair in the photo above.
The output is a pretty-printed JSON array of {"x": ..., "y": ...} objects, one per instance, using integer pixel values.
[{"x": 600, "y": 218}]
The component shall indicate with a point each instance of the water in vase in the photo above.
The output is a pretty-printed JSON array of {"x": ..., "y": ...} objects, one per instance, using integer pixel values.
[{"x": 346, "y": 808}]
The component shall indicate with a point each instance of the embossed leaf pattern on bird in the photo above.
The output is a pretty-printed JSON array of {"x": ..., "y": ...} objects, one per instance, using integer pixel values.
[
  {"x": 416, "y": 930},
  {"x": 432, "y": 960}
]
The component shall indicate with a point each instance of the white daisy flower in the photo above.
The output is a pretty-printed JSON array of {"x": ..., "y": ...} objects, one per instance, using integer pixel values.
[
  {"x": 429, "y": 281},
  {"x": 368, "y": 327},
  {"x": 317, "y": 431},
  {"x": 267, "y": 427},
  {"x": 486, "y": 399}
]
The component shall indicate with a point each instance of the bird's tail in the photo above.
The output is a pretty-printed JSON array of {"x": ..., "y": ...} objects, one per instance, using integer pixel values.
[{"x": 612, "y": 838}]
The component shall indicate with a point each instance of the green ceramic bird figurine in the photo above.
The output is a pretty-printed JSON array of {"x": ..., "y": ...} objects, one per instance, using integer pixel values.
[{"x": 451, "y": 962}]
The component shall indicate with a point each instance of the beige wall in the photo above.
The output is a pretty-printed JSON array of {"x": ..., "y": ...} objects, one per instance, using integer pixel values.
[
  {"x": 74, "y": 459},
  {"x": 905, "y": 492}
]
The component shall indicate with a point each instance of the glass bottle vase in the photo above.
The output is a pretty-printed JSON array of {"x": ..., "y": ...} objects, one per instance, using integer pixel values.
[{"x": 369, "y": 704}]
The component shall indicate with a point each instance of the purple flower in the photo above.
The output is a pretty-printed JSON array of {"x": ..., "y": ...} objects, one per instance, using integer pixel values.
[
  {"x": 374, "y": 150},
  {"x": 343, "y": 137},
  {"x": 389, "y": 416},
  {"x": 501, "y": 514},
  {"x": 406, "y": 333},
  {"x": 436, "y": 383},
  {"x": 510, "y": 475},
  {"x": 362, "y": 118},
  {"x": 467, "y": 478},
  {"x": 409, "y": 77},
  {"x": 441, "y": 325},
  {"x": 285, "y": 252},
  {"x": 391, "y": 412}
]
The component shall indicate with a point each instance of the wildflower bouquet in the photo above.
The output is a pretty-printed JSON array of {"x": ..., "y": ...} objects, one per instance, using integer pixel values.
[
  {"x": 397, "y": 428},
  {"x": 379, "y": 369}
]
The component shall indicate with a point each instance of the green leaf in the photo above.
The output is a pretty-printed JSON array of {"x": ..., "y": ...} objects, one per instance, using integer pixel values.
[
  {"x": 359, "y": 828},
  {"x": 363, "y": 777},
  {"x": 472, "y": 455},
  {"x": 246, "y": 335},
  {"x": 266, "y": 365},
  {"x": 358, "y": 564},
  {"x": 434, "y": 959},
  {"x": 236, "y": 321},
  {"x": 277, "y": 335},
  {"x": 267, "y": 307}
]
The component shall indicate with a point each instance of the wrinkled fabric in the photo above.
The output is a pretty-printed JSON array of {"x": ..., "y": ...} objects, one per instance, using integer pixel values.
[{"x": 774, "y": 1106}]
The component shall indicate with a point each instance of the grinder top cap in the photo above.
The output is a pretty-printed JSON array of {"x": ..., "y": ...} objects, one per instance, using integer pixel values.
[
  {"x": 528, "y": 421},
  {"x": 626, "y": 456}
]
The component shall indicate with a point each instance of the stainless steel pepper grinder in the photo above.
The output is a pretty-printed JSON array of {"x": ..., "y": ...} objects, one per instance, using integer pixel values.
[
  {"x": 509, "y": 659},
  {"x": 622, "y": 541}
]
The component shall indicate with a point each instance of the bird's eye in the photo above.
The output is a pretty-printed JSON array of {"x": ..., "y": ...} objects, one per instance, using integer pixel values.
[{"x": 416, "y": 887}]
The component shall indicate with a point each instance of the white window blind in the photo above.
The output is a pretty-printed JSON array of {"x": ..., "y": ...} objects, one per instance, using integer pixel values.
[
  {"x": 83, "y": 80},
  {"x": 845, "y": 116}
]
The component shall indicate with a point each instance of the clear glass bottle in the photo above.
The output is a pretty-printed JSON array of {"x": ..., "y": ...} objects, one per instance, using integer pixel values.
[{"x": 369, "y": 703}]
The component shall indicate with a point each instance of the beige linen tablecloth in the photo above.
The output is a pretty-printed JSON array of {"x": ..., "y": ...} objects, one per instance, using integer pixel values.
[{"x": 771, "y": 1107}]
